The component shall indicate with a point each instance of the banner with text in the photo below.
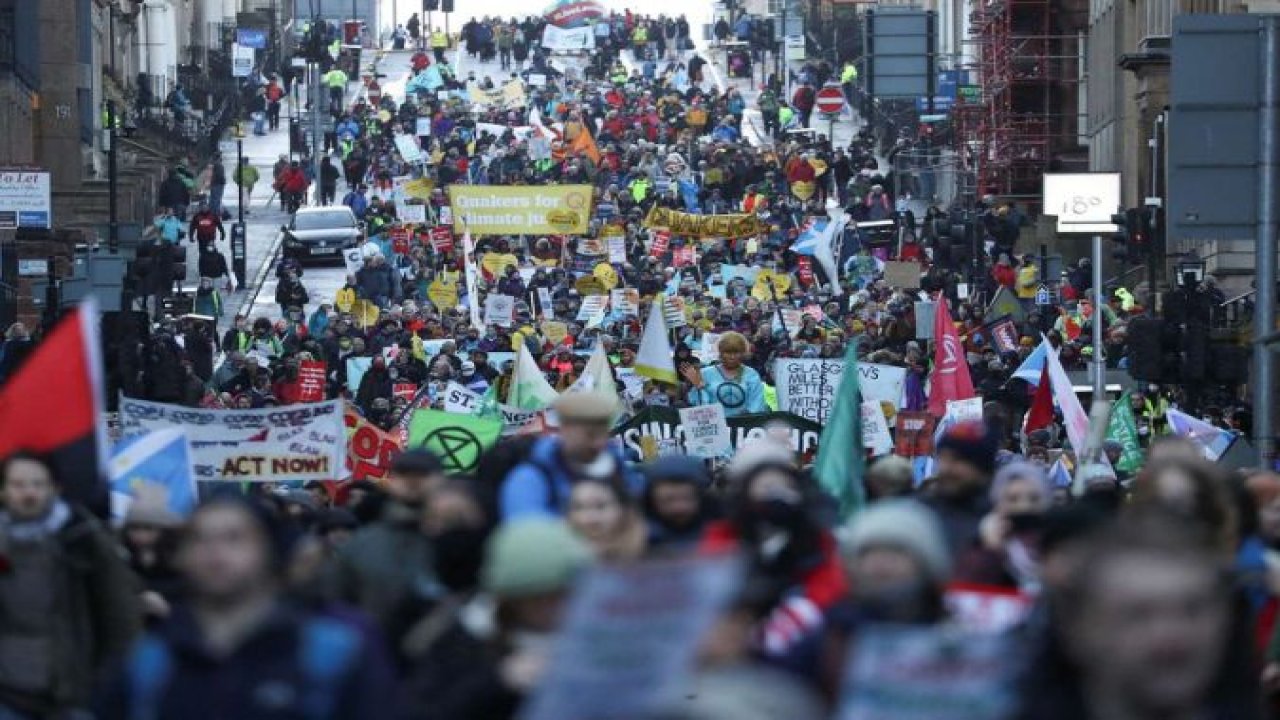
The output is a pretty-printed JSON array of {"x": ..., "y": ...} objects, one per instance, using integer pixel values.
[
  {"x": 807, "y": 387},
  {"x": 523, "y": 210}
]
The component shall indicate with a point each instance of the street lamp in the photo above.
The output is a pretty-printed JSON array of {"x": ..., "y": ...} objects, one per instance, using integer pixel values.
[
  {"x": 239, "y": 133},
  {"x": 109, "y": 143},
  {"x": 238, "y": 244}
]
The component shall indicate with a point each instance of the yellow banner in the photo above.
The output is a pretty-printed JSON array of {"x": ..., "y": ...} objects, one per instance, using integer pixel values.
[
  {"x": 515, "y": 210},
  {"x": 700, "y": 226}
]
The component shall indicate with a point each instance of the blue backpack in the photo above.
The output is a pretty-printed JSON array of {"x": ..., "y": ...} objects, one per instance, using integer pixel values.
[{"x": 328, "y": 650}]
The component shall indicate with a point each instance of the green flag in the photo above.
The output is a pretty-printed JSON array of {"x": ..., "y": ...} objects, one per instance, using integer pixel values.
[
  {"x": 489, "y": 407},
  {"x": 841, "y": 456},
  {"x": 457, "y": 439},
  {"x": 1123, "y": 428},
  {"x": 529, "y": 387}
]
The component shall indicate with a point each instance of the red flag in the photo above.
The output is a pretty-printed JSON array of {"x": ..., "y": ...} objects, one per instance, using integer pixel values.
[
  {"x": 1041, "y": 413},
  {"x": 950, "y": 379},
  {"x": 53, "y": 407}
]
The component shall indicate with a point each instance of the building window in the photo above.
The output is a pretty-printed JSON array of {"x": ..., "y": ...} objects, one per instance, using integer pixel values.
[
  {"x": 775, "y": 6},
  {"x": 19, "y": 41}
]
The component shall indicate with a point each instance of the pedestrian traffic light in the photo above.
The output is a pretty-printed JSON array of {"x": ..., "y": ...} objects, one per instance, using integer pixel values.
[
  {"x": 446, "y": 5},
  {"x": 1131, "y": 237},
  {"x": 430, "y": 5}
]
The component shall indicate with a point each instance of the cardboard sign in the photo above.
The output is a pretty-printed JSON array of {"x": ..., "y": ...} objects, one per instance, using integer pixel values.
[
  {"x": 961, "y": 411},
  {"x": 629, "y": 638},
  {"x": 706, "y": 432},
  {"x": 311, "y": 381},
  {"x": 607, "y": 276},
  {"x": 404, "y": 390},
  {"x": 899, "y": 274},
  {"x": 684, "y": 256},
  {"x": 297, "y": 442},
  {"x": 986, "y": 608},
  {"x": 370, "y": 449},
  {"x": 664, "y": 423},
  {"x": 399, "y": 239}
]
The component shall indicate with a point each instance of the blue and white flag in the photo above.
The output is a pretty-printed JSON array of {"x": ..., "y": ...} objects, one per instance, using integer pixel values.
[
  {"x": 1031, "y": 368},
  {"x": 158, "y": 462},
  {"x": 1213, "y": 440},
  {"x": 820, "y": 238},
  {"x": 1059, "y": 475}
]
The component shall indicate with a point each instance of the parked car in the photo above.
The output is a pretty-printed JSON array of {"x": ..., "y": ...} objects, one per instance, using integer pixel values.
[{"x": 317, "y": 233}]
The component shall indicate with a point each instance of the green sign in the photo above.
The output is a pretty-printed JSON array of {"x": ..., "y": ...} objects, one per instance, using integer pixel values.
[
  {"x": 971, "y": 94},
  {"x": 457, "y": 439},
  {"x": 1123, "y": 428}
]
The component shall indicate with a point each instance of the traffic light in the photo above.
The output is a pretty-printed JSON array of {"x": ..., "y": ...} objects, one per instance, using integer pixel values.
[
  {"x": 446, "y": 5},
  {"x": 1131, "y": 239},
  {"x": 430, "y": 5}
]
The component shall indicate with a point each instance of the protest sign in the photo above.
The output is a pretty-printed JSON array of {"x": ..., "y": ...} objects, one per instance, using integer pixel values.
[
  {"x": 625, "y": 301},
  {"x": 499, "y": 310},
  {"x": 311, "y": 381},
  {"x": 706, "y": 432},
  {"x": 673, "y": 312},
  {"x": 555, "y": 332},
  {"x": 746, "y": 273},
  {"x": 729, "y": 226},
  {"x": 458, "y": 399},
  {"x": 807, "y": 387},
  {"x": 414, "y": 213},
  {"x": 297, "y": 442},
  {"x": 588, "y": 285},
  {"x": 968, "y": 410},
  {"x": 370, "y": 449},
  {"x": 409, "y": 148},
  {"x": 684, "y": 256},
  {"x": 929, "y": 673},
  {"x": 905, "y": 275},
  {"x": 521, "y": 210},
  {"x": 495, "y": 264},
  {"x": 592, "y": 309},
  {"x": 544, "y": 300},
  {"x": 518, "y": 421},
  {"x": 663, "y": 423},
  {"x": 913, "y": 434},
  {"x": 924, "y": 312},
  {"x": 457, "y": 439},
  {"x": 353, "y": 258},
  {"x": 1004, "y": 335},
  {"x": 875, "y": 430},
  {"x": 659, "y": 241},
  {"x": 442, "y": 238},
  {"x": 710, "y": 351},
  {"x": 442, "y": 294},
  {"x": 629, "y": 638},
  {"x": 607, "y": 276},
  {"x": 404, "y": 391},
  {"x": 618, "y": 250}
]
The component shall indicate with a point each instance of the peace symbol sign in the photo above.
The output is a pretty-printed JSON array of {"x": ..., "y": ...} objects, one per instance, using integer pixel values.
[
  {"x": 731, "y": 395},
  {"x": 458, "y": 448}
]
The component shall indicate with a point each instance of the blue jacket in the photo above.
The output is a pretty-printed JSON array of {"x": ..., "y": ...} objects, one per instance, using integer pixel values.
[
  {"x": 747, "y": 397},
  {"x": 541, "y": 484}
]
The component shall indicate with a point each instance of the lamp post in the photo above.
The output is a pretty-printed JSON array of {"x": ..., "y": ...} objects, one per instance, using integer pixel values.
[
  {"x": 109, "y": 140},
  {"x": 238, "y": 244},
  {"x": 239, "y": 163}
]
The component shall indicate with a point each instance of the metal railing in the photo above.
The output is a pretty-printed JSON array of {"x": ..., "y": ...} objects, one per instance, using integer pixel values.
[{"x": 1234, "y": 313}]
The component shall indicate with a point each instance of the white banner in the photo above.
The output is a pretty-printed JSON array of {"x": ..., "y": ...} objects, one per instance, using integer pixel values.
[
  {"x": 875, "y": 430},
  {"x": 412, "y": 213},
  {"x": 556, "y": 38},
  {"x": 297, "y": 442},
  {"x": 807, "y": 387}
]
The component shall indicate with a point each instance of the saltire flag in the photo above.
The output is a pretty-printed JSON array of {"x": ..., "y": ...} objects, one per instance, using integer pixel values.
[
  {"x": 1059, "y": 475},
  {"x": 529, "y": 387},
  {"x": 838, "y": 467},
  {"x": 156, "y": 464},
  {"x": 1033, "y": 366},
  {"x": 53, "y": 407},
  {"x": 819, "y": 239},
  {"x": 653, "y": 360},
  {"x": 1074, "y": 417},
  {"x": 1213, "y": 440},
  {"x": 950, "y": 380}
]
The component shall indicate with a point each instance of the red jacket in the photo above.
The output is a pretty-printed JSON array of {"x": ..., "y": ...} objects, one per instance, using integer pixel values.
[{"x": 294, "y": 180}]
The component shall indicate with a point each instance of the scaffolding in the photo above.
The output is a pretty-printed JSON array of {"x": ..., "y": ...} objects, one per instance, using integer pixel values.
[{"x": 1024, "y": 118}]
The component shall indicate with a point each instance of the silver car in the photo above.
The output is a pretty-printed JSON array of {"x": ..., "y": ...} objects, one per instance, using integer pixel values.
[{"x": 321, "y": 233}]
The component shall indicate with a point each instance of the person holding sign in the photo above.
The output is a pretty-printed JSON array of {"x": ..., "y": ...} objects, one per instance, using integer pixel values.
[{"x": 731, "y": 383}]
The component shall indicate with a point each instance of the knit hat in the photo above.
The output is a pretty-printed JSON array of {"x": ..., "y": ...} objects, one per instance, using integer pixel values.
[
  {"x": 904, "y": 524},
  {"x": 532, "y": 556},
  {"x": 1018, "y": 470},
  {"x": 756, "y": 456},
  {"x": 973, "y": 443}
]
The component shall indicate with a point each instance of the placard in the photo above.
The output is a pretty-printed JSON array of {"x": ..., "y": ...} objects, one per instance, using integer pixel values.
[
  {"x": 706, "y": 432},
  {"x": 592, "y": 310},
  {"x": 297, "y": 442},
  {"x": 913, "y": 434},
  {"x": 625, "y": 301},
  {"x": 618, "y": 250},
  {"x": 875, "y": 430},
  {"x": 521, "y": 210},
  {"x": 808, "y": 387},
  {"x": 499, "y": 310},
  {"x": 370, "y": 449},
  {"x": 311, "y": 381},
  {"x": 903, "y": 275},
  {"x": 458, "y": 399},
  {"x": 412, "y": 213}
]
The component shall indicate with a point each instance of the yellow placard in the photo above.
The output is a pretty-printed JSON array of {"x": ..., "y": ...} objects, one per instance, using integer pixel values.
[
  {"x": 497, "y": 263},
  {"x": 555, "y": 332},
  {"x": 418, "y": 188},
  {"x": 365, "y": 314},
  {"x": 735, "y": 225},
  {"x": 590, "y": 285},
  {"x": 444, "y": 295},
  {"x": 781, "y": 284},
  {"x": 517, "y": 210},
  {"x": 607, "y": 276}
]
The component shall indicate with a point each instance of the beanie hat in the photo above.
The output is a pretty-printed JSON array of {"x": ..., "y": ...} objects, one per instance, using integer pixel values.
[
  {"x": 973, "y": 443},
  {"x": 757, "y": 456},
  {"x": 904, "y": 524},
  {"x": 1019, "y": 470},
  {"x": 532, "y": 556}
]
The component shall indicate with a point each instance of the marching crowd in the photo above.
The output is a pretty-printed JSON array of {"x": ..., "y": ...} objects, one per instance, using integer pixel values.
[{"x": 430, "y": 595}]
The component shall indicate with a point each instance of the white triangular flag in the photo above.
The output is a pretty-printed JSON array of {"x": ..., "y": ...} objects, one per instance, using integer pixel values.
[
  {"x": 529, "y": 387},
  {"x": 654, "y": 359}
]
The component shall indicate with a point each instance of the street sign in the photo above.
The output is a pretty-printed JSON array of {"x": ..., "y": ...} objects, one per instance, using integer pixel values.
[
  {"x": 252, "y": 37},
  {"x": 241, "y": 61},
  {"x": 1083, "y": 202},
  {"x": 1043, "y": 297},
  {"x": 830, "y": 100},
  {"x": 33, "y": 268}
]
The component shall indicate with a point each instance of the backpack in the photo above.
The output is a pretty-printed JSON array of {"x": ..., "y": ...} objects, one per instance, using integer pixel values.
[{"x": 328, "y": 650}]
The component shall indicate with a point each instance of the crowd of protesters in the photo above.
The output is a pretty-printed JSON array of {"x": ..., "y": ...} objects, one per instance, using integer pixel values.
[{"x": 436, "y": 596}]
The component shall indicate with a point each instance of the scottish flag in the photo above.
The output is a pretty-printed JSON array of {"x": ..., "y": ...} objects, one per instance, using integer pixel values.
[
  {"x": 1213, "y": 441},
  {"x": 1031, "y": 368},
  {"x": 157, "y": 464}
]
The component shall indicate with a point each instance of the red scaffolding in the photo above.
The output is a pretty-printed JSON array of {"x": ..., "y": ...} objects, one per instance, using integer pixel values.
[{"x": 1028, "y": 71}]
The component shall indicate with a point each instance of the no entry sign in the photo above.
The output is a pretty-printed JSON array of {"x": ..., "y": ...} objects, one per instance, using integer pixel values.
[{"x": 830, "y": 100}]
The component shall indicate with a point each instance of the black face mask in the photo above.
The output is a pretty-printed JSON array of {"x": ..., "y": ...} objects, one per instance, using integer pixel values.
[{"x": 459, "y": 553}]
